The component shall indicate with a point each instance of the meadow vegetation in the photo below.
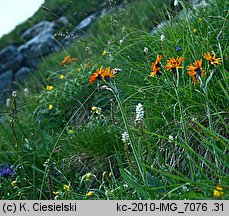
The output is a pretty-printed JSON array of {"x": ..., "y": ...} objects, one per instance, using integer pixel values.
[{"x": 125, "y": 113}]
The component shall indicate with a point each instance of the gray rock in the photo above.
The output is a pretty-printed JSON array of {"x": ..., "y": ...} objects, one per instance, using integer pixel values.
[
  {"x": 86, "y": 22},
  {"x": 37, "y": 29},
  {"x": 21, "y": 74},
  {"x": 6, "y": 80},
  {"x": 15, "y": 63},
  {"x": 61, "y": 22},
  {"x": 31, "y": 63},
  {"x": 10, "y": 59},
  {"x": 41, "y": 45},
  {"x": 7, "y": 53},
  {"x": 2, "y": 68}
]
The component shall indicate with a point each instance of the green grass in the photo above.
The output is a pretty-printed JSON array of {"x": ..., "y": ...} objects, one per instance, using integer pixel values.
[{"x": 179, "y": 150}]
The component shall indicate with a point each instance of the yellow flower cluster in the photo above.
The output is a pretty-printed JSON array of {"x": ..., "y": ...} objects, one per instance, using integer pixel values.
[{"x": 218, "y": 192}]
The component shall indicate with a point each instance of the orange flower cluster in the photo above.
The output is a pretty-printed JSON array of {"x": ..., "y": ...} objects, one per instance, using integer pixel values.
[
  {"x": 172, "y": 65},
  {"x": 104, "y": 74},
  {"x": 68, "y": 60},
  {"x": 194, "y": 70}
]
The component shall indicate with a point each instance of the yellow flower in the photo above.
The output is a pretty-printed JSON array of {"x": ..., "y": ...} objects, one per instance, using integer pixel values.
[
  {"x": 219, "y": 188},
  {"x": 97, "y": 110},
  {"x": 61, "y": 76},
  {"x": 50, "y": 107},
  {"x": 49, "y": 88},
  {"x": 218, "y": 192},
  {"x": 105, "y": 52},
  {"x": 13, "y": 183},
  {"x": 70, "y": 131},
  {"x": 93, "y": 108},
  {"x": 66, "y": 187},
  {"x": 90, "y": 193},
  {"x": 194, "y": 30},
  {"x": 55, "y": 192}
]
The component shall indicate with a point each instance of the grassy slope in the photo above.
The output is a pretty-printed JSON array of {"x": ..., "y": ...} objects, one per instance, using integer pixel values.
[{"x": 188, "y": 167}]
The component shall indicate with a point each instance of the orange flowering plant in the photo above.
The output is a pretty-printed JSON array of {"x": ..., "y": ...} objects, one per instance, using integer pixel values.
[
  {"x": 104, "y": 74},
  {"x": 195, "y": 71}
]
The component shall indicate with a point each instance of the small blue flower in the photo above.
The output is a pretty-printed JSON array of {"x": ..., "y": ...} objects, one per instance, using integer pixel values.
[
  {"x": 6, "y": 170},
  {"x": 179, "y": 48}
]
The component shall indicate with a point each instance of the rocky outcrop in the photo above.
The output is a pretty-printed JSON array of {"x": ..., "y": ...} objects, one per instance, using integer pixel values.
[
  {"x": 11, "y": 59},
  {"x": 18, "y": 62},
  {"x": 6, "y": 81},
  {"x": 21, "y": 74}
]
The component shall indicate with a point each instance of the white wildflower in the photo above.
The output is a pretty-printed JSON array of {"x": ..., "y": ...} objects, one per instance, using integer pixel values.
[
  {"x": 175, "y": 3},
  {"x": 46, "y": 163},
  {"x": 14, "y": 94},
  {"x": 139, "y": 113},
  {"x": 171, "y": 138},
  {"x": 125, "y": 137},
  {"x": 146, "y": 50},
  {"x": 162, "y": 38},
  {"x": 194, "y": 119}
]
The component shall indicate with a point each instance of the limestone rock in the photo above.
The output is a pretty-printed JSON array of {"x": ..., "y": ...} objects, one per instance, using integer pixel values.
[
  {"x": 10, "y": 59},
  {"x": 6, "y": 80},
  {"x": 37, "y": 29},
  {"x": 21, "y": 74}
]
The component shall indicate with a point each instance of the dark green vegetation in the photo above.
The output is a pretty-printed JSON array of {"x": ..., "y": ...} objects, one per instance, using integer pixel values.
[{"x": 179, "y": 148}]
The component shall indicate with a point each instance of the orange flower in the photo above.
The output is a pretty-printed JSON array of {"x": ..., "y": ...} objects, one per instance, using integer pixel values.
[
  {"x": 99, "y": 74},
  {"x": 212, "y": 60},
  {"x": 173, "y": 64},
  {"x": 68, "y": 60},
  {"x": 108, "y": 74},
  {"x": 195, "y": 70},
  {"x": 104, "y": 74},
  {"x": 156, "y": 66}
]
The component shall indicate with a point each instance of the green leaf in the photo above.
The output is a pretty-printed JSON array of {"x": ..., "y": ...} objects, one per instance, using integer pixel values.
[
  {"x": 155, "y": 183},
  {"x": 131, "y": 179}
]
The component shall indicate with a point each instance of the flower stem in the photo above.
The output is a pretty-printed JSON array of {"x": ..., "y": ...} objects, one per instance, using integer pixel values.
[
  {"x": 136, "y": 155},
  {"x": 176, "y": 85},
  {"x": 210, "y": 122}
]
